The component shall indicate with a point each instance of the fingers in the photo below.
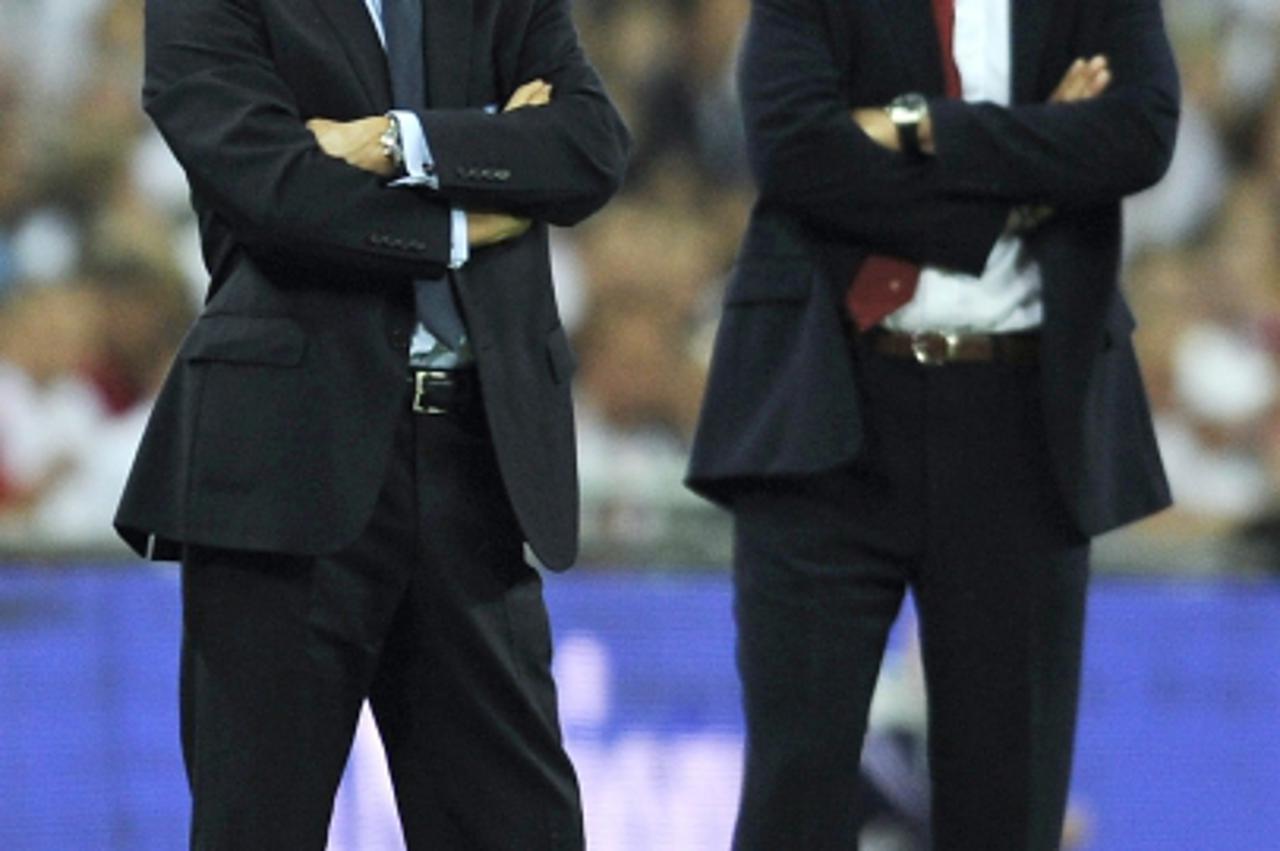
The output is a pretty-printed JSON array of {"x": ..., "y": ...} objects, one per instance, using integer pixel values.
[
  {"x": 1085, "y": 79},
  {"x": 1027, "y": 217},
  {"x": 329, "y": 135},
  {"x": 876, "y": 124},
  {"x": 492, "y": 228},
  {"x": 542, "y": 96},
  {"x": 533, "y": 93},
  {"x": 1096, "y": 75},
  {"x": 518, "y": 226}
]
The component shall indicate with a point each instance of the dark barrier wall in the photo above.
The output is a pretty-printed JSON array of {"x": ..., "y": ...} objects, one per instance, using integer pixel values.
[{"x": 1179, "y": 743}]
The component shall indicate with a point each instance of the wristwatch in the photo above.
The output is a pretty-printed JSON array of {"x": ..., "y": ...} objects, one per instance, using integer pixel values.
[
  {"x": 392, "y": 143},
  {"x": 906, "y": 112}
]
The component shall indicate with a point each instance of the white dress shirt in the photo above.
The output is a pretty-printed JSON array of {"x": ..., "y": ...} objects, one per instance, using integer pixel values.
[{"x": 1006, "y": 296}]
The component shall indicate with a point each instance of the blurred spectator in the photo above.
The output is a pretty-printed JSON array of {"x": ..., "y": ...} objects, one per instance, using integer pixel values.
[
  {"x": 15, "y": 160},
  {"x": 1226, "y": 385},
  {"x": 47, "y": 412},
  {"x": 143, "y": 313},
  {"x": 688, "y": 107}
]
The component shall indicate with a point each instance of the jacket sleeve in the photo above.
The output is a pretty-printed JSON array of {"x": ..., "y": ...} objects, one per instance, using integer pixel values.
[
  {"x": 807, "y": 154},
  {"x": 231, "y": 121},
  {"x": 1075, "y": 154},
  {"x": 557, "y": 163}
]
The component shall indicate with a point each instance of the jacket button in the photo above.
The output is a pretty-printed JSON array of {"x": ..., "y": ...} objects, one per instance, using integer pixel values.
[{"x": 399, "y": 339}]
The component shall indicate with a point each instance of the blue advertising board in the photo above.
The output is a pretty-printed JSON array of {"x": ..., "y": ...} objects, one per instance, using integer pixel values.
[{"x": 1179, "y": 742}]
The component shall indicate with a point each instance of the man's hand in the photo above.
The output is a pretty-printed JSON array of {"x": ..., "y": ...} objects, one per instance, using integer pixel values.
[
  {"x": 533, "y": 93},
  {"x": 875, "y": 122},
  {"x": 1085, "y": 79},
  {"x": 356, "y": 142},
  {"x": 492, "y": 228}
]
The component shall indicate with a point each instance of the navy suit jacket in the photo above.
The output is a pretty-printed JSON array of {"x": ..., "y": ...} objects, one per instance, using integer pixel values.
[
  {"x": 782, "y": 396},
  {"x": 274, "y": 428}
]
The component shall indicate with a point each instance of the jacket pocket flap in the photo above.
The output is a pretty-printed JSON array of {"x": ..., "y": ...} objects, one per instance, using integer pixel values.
[
  {"x": 268, "y": 340},
  {"x": 766, "y": 279}
]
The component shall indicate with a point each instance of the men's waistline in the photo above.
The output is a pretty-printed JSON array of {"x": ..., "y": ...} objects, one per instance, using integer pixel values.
[
  {"x": 935, "y": 348},
  {"x": 445, "y": 392}
]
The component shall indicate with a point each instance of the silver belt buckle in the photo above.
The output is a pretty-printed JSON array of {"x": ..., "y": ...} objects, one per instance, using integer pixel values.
[
  {"x": 934, "y": 348},
  {"x": 421, "y": 380}
]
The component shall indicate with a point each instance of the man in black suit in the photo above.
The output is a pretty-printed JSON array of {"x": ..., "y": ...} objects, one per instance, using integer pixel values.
[
  {"x": 371, "y": 417},
  {"x": 924, "y": 378}
]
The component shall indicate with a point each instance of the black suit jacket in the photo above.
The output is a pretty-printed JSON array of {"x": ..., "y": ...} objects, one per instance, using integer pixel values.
[
  {"x": 273, "y": 429},
  {"x": 782, "y": 396}
]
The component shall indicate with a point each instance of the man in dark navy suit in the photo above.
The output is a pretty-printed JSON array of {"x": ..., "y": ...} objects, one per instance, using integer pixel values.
[
  {"x": 370, "y": 422},
  {"x": 924, "y": 379}
]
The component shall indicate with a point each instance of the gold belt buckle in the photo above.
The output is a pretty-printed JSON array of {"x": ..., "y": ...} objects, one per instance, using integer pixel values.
[
  {"x": 422, "y": 379},
  {"x": 934, "y": 348}
]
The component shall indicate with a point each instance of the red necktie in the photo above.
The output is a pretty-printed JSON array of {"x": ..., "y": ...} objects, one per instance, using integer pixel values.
[{"x": 884, "y": 284}]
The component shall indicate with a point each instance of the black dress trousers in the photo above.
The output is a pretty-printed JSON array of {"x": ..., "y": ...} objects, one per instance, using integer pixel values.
[
  {"x": 434, "y": 616},
  {"x": 953, "y": 497}
]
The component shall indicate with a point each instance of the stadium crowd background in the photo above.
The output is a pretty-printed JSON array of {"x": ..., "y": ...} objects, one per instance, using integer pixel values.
[{"x": 100, "y": 275}]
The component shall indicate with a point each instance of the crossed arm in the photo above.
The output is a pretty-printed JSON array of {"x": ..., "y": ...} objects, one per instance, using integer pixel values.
[
  {"x": 1106, "y": 131},
  {"x": 359, "y": 144},
  {"x": 235, "y": 124},
  {"x": 1085, "y": 79}
]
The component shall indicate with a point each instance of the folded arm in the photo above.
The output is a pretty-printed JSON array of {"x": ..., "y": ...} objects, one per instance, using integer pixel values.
[
  {"x": 234, "y": 125},
  {"x": 808, "y": 154},
  {"x": 1072, "y": 153},
  {"x": 557, "y": 163},
  {"x": 360, "y": 143}
]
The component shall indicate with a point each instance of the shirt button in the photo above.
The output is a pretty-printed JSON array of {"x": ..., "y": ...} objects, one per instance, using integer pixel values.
[{"x": 895, "y": 285}]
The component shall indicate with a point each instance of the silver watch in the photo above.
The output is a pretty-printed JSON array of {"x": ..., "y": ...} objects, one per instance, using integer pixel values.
[
  {"x": 392, "y": 143},
  {"x": 906, "y": 112}
]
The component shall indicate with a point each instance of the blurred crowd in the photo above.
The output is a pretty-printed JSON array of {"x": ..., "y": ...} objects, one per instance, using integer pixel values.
[{"x": 100, "y": 273}]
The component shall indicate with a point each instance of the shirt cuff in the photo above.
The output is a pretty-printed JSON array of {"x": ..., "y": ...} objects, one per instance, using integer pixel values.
[
  {"x": 419, "y": 165},
  {"x": 460, "y": 244}
]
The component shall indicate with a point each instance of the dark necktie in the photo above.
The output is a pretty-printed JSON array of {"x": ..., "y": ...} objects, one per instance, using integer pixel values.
[
  {"x": 884, "y": 284},
  {"x": 402, "y": 22}
]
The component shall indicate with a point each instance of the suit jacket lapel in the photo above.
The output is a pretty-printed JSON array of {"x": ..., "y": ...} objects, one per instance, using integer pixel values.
[
  {"x": 1030, "y": 26},
  {"x": 448, "y": 45},
  {"x": 354, "y": 29},
  {"x": 915, "y": 36}
]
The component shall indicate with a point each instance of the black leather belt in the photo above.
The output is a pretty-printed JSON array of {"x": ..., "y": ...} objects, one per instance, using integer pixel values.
[
  {"x": 934, "y": 348},
  {"x": 443, "y": 392}
]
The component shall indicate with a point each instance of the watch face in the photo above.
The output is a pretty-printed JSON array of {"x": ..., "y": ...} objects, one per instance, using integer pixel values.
[{"x": 908, "y": 109}]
